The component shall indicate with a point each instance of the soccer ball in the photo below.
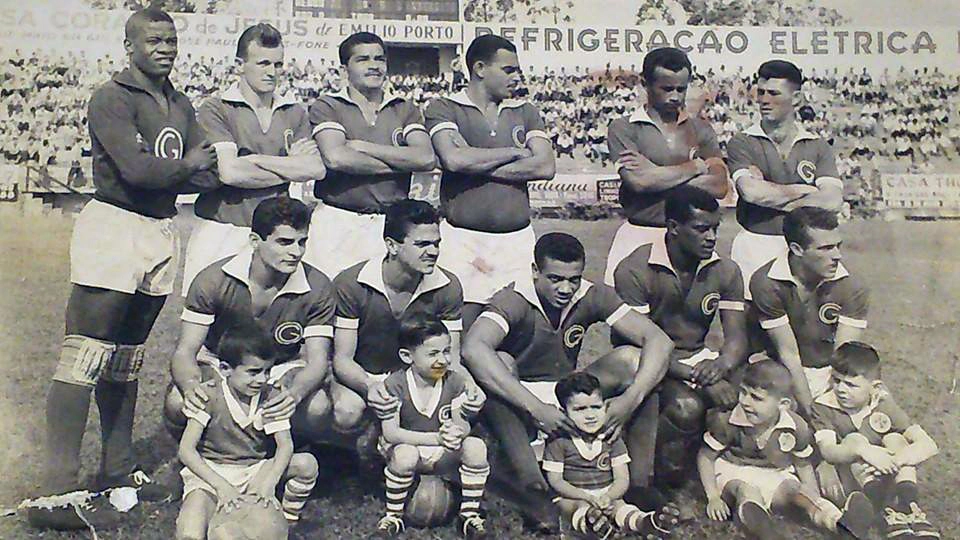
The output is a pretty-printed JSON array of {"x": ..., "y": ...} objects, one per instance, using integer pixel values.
[
  {"x": 432, "y": 503},
  {"x": 249, "y": 522}
]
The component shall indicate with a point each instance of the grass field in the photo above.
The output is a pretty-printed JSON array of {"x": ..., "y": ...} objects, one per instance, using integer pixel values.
[{"x": 911, "y": 267}]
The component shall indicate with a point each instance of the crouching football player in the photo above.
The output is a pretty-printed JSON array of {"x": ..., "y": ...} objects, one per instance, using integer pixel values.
[
  {"x": 429, "y": 431},
  {"x": 225, "y": 447}
]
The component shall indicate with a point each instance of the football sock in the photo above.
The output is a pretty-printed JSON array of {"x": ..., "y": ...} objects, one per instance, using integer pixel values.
[
  {"x": 67, "y": 409},
  {"x": 116, "y": 402},
  {"x": 641, "y": 440},
  {"x": 472, "y": 480},
  {"x": 878, "y": 493},
  {"x": 629, "y": 518},
  {"x": 397, "y": 487},
  {"x": 295, "y": 494},
  {"x": 514, "y": 441},
  {"x": 906, "y": 492}
]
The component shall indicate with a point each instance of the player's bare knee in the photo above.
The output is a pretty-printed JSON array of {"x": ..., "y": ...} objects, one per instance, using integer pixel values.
[
  {"x": 191, "y": 524},
  {"x": 83, "y": 360},
  {"x": 474, "y": 452},
  {"x": 303, "y": 465},
  {"x": 404, "y": 458},
  {"x": 855, "y": 438},
  {"x": 173, "y": 406},
  {"x": 895, "y": 441},
  {"x": 348, "y": 410},
  {"x": 686, "y": 410}
]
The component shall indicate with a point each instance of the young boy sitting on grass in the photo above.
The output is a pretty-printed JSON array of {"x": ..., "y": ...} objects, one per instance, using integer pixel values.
[
  {"x": 429, "y": 431},
  {"x": 757, "y": 457},
  {"x": 589, "y": 473},
  {"x": 875, "y": 447},
  {"x": 225, "y": 448}
]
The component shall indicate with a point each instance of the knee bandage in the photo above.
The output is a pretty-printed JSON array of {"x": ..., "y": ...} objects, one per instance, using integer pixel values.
[
  {"x": 82, "y": 360},
  {"x": 125, "y": 364}
]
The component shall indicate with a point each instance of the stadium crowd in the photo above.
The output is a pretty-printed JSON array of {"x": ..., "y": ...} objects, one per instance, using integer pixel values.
[{"x": 892, "y": 121}]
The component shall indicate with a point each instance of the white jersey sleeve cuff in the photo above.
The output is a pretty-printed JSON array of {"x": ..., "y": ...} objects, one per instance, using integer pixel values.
[
  {"x": 196, "y": 318},
  {"x": 804, "y": 453},
  {"x": 345, "y": 322},
  {"x": 228, "y": 147},
  {"x": 553, "y": 466},
  {"x": 849, "y": 321},
  {"x": 620, "y": 460},
  {"x": 199, "y": 416},
  {"x": 825, "y": 435},
  {"x": 323, "y": 330},
  {"x": 829, "y": 181},
  {"x": 643, "y": 309},
  {"x": 497, "y": 319},
  {"x": 732, "y": 305},
  {"x": 618, "y": 314},
  {"x": 739, "y": 173},
  {"x": 537, "y": 133},
  {"x": 276, "y": 427},
  {"x": 712, "y": 442},
  {"x": 413, "y": 127},
  {"x": 329, "y": 125},
  {"x": 770, "y": 324},
  {"x": 455, "y": 325},
  {"x": 442, "y": 126}
]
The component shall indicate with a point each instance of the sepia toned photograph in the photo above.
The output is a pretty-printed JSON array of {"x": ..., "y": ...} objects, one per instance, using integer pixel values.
[{"x": 482, "y": 269}]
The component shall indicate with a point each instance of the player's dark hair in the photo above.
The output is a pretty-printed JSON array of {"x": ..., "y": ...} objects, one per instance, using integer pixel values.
[
  {"x": 683, "y": 200},
  {"x": 266, "y": 35},
  {"x": 781, "y": 69},
  {"x": 243, "y": 340},
  {"x": 417, "y": 328},
  {"x": 405, "y": 214},
  {"x": 485, "y": 47},
  {"x": 855, "y": 358},
  {"x": 276, "y": 211},
  {"x": 769, "y": 375},
  {"x": 142, "y": 17},
  {"x": 578, "y": 382},
  {"x": 798, "y": 222},
  {"x": 360, "y": 38},
  {"x": 669, "y": 58},
  {"x": 559, "y": 247}
]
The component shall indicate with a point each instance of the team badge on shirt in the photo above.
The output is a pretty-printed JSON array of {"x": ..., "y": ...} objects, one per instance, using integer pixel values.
[
  {"x": 880, "y": 422},
  {"x": 519, "y": 136},
  {"x": 287, "y": 140},
  {"x": 807, "y": 171},
  {"x": 573, "y": 336},
  {"x": 787, "y": 441},
  {"x": 829, "y": 313},
  {"x": 169, "y": 144},
  {"x": 603, "y": 461},
  {"x": 288, "y": 333},
  {"x": 397, "y": 137},
  {"x": 710, "y": 303}
]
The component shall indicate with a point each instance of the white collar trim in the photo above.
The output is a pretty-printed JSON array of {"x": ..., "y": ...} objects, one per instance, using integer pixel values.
[
  {"x": 243, "y": 419},
  {"x": 640, "y": 115},
  {"x": 239, "y": 268},
  {"x": 660, "y": 257},
  {"x": 739, "y": 418},
  {"x": 372, "y": 274},
  {"x": 780, "y": 270},
  {"x": 527, "y": 290},
  {"x": 235, "y": 95},
  {"x": 587, "y": 451},
  {"x": 462, "y": 98},
  {"x": 388, "y": 97},
  {"x": 428, "y": 407},
  {"x": 756, "y": 130},
  {"x": 829, "y": 399}
]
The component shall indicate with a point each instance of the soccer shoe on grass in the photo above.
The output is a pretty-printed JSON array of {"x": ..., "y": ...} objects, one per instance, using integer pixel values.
[
  {"x": 59, "y": 518},
  {"x": 918, "y": 522},
  {"x": 898, "y": 525},
  {"x": 147, "y": 489},
  {"x": 599, "y": 525},
  {"x": 757, "y": 520},
  {"x": 660, "y": 524},
  {"x": 858, "y": 516},
  {"x": 472, "y": 527},
  {"x": 389, "y": 526}
]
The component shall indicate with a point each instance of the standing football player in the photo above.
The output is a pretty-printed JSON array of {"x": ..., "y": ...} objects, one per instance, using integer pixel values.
[{"x": 147, "y": 147}]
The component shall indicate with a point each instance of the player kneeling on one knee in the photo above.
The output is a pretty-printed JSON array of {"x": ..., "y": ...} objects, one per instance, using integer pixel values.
[
  {"x": 757, "y": 457},
  {"x": 589, "y": 472},
  {"x": 875, "y": 447},
  {"x": 225, "y": 447},
  {"x": 429, "y": 431}
]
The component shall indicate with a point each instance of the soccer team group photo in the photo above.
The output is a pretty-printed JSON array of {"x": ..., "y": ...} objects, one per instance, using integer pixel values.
[{"x": 337, "y": 296}]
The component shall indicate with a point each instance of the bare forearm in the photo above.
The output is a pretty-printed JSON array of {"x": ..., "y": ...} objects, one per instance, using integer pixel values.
[
  {"x": 309, "y": 379},
  {"x": 192, "y": 460},
  {"x": 502, "y": 384},
  {"x": 350, "y": 161},
  {"x": 526, "y": 170},
  {"x": 680, "y": 371},
  {"x": 714, "y": 182},
  {"x": 402, "y": 158},
  {"x": 406, "y": 436},
  {"x": 800, "y": 386},
  {"x": 770, "y": 195},
  {"x": 351, "y": 375},
  {"x": 185, "y": 370},
  {"x": 293, "y": 168},
  {"x": 916, "y": 453},
  {"x": 708, "y": 473},
  {"x": 244, "y": 172},
  {"x": 566, "y": 489},
  {"x": 827, "y": 198},
  {"x": 661, "y": 178},
  {"x": 470, "y": 160},
  {"x": 620, "y": 485}
]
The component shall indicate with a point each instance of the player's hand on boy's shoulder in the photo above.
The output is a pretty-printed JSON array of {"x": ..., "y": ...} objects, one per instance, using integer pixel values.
[
  {"x": 723, "y": 394},
  {"x": 717, "y": 509},
  {"x": 552, "y": 420},
  {"x": 619, "y": 411},
  {"x": 280, "y": 405},
  {"x": 709, "y": 371},
  {"x": 383, "y": 403},
  {"x": 195, "y": 400}
]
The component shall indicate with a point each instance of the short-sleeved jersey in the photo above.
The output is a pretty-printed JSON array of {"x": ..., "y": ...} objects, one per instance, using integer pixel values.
[
  {"x": 234, "y": 433},
  {"x": 542, "y": 351},
  {"x": 832, "y": 422},
  {"x": 219, "y": 297},
  {"x": 362, "y": 305},
  {"x": 229, "y": 120},
  {"x": 810, "y": 161},
  {"x": 647, "y": 281},
  {"x": 136, "y": 146},
  {"x": 421, "y": 410},
  {"x": 476, "y": 201},
  {"x": 396, "y": 119},
  {"x": 776, "y": 302},
  {"x": 585, "y": 465},
  {"x": 639, "y": 133},
  {"x": 729, "y": 433}
]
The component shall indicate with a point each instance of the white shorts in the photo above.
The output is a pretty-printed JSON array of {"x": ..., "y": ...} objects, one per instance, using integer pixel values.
[
  {"x": 703, "y": 354},
  {"x": 209, "y": 242},
  {"x": 545, "y": 391},
  {"x": 123, "y": 251},
  {"x": 339, "y": 239},
  {"x": 765, "y": 479},
  {"x": 751, "y": 251},
  {"x": 429, "y": 455},
  {"x": 628, "y": 238},
  {"x": 486, "y": 262},
  {"x": 598, "y": 492},
  {"x": 238, "y": 476}
]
